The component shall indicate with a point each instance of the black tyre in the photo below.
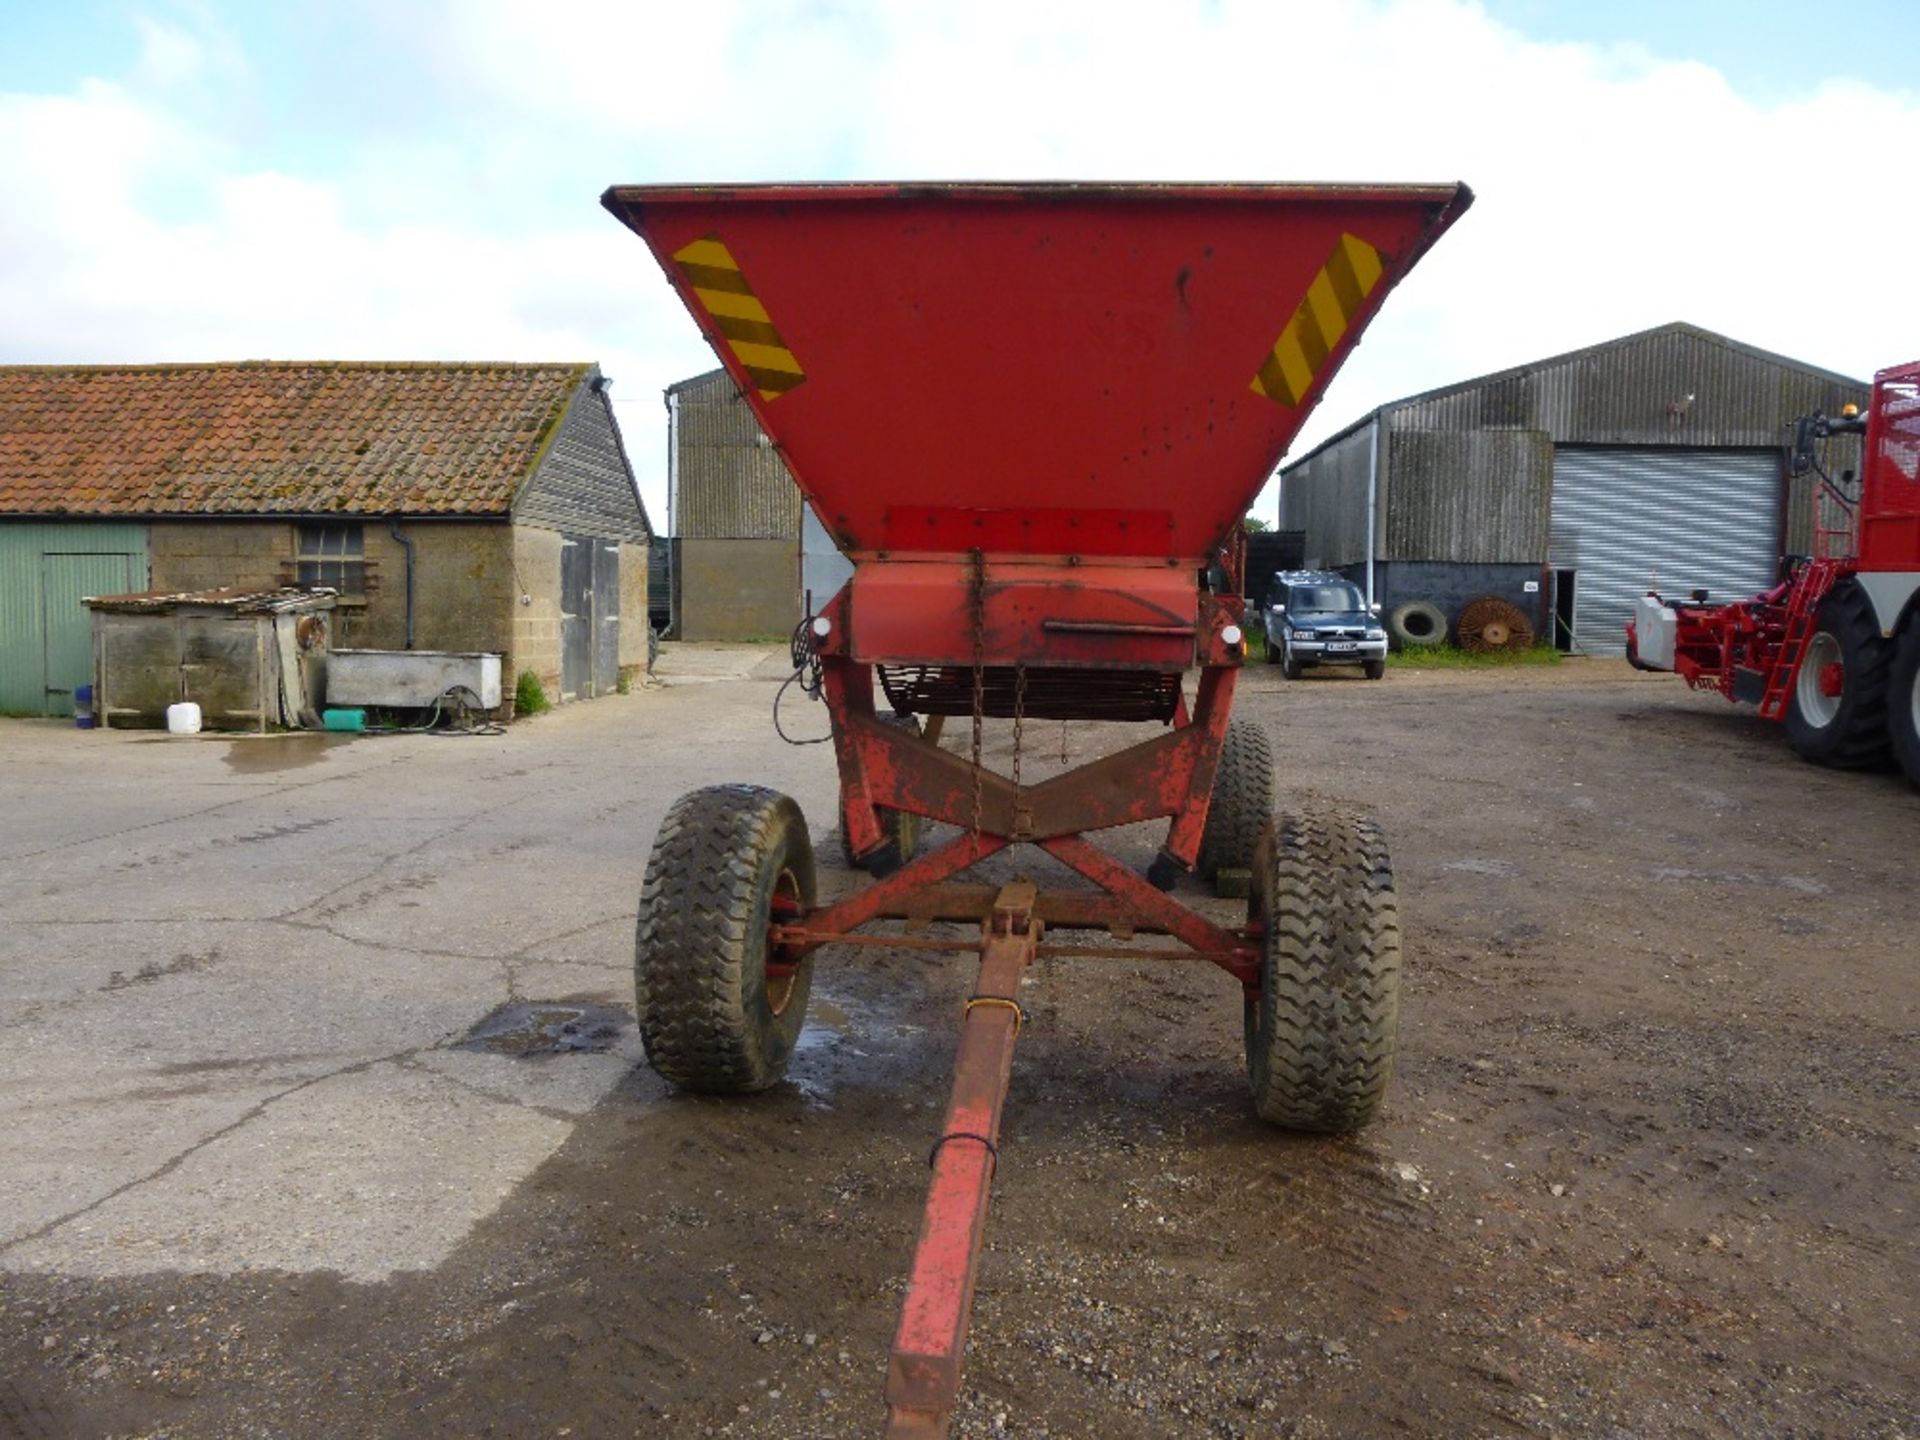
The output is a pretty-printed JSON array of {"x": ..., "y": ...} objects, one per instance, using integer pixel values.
[
  {"x": 1241, "y": 802},
  {"x": 715, "y": 1016},
  {"x": 1416, "y": 624},
  {"x": 1289, "y": 666},
  {"x": 1376, "y": 669},
  {"x": 1321, "y": 1034},
  {"x": 1847, "y": 729},
  {"x": 1274, "y": 647},
  {"x": 900, "y": 830},
  {"x": 1903, "y": 701}
]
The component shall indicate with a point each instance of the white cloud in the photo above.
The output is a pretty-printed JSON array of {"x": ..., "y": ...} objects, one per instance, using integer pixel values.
[{"x": 1616, "y": 190}]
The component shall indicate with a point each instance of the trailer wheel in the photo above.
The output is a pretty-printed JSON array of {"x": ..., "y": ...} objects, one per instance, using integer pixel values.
[
  {"x": 717, "y": 1011},
  {"x": 1903, "y": 708},
  {"x": 1322, "y": 1030},
  {"x": 1837, "y": 711},
  {"x": 1417, "y": 624},
  {"x": 1241, "y": 802},
  {"x": 900, "y": 831}
]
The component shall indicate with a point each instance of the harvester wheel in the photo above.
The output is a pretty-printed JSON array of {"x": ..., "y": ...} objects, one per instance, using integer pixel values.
[
  {"x": 1837, "y": 710},
  {"x": 718, "y": 1007},
  {"x": 1903, "y": 707},
  {"x": 1321, "y": 1032},
  {"x": 1242, "y": 800},
  {"x": 1417, "y": 624},
  {"x": 900, "y": 830}
]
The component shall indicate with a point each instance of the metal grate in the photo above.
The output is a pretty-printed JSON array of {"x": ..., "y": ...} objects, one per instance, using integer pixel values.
[{"x": 1052, "y": 694}]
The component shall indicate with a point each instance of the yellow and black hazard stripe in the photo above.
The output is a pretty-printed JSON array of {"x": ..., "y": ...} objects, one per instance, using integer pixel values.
[
  {"x": 1332, "y": 300},
  {"x": 714, "y": 276}
]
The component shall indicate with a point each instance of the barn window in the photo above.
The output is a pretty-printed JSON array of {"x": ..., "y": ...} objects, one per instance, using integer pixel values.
[{"x": 331, "y": 555}]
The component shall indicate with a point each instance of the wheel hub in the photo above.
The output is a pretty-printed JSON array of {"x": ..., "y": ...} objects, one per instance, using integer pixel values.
[
  {"x": 1821, "y": 682},
  {"x": 784, "y": 907}
]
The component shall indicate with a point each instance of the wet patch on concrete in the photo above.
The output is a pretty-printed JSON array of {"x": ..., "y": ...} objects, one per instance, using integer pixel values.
[
  {"x": 152, "y": 970},
  {"x": 265, "y": 754},
  {"x": 548, "y": 1027}
]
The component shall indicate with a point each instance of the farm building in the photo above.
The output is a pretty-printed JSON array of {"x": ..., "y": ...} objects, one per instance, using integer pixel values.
[
  {"x": 471, "y": 507},
  {"x": 749, "y": 556},
  {"x": 1571, "y": 485}
]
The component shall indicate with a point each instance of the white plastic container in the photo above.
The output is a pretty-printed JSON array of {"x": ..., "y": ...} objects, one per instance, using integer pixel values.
[{"x": 183, "y": 719}]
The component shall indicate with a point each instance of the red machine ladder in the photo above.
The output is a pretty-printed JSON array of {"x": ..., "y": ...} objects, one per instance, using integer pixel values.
[{"x": 1812, "y": 587}]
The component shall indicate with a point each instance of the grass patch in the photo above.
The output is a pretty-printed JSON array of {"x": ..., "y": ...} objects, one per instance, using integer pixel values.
[
  {"x": 1452, "y": 657},
  {"x": 529, "y": 695}
]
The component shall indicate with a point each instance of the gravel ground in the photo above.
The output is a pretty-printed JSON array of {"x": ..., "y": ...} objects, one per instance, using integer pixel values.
[{"x": 1649, "y": 1166}]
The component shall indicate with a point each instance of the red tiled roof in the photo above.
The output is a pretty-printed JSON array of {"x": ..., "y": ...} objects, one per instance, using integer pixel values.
[{"x": 274, "y": 437}]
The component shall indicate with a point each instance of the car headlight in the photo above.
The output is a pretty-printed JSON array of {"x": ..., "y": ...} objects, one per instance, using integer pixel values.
[
  {"x": 1299, "y": 634},
  {"x": 1376, "y": 634}
]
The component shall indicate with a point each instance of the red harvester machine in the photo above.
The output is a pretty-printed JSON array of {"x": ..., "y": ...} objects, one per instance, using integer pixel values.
[
  {"x": 1834, "y": 649},
  {"x": 1032, "y": 415}
]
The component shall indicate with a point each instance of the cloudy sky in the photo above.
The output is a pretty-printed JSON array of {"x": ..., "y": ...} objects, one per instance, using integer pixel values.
[{"x": 417, "y": 179}]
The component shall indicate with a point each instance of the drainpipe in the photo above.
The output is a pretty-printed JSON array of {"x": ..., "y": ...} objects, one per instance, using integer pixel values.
[
  {"x": 1373, "y": 496},
  {"x": 673, "y": 518},
  {"x": 393, "y": 529}
]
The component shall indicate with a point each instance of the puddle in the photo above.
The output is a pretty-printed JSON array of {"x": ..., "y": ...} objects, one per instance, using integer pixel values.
[
  {"x": 263, "y": 754},
  {"x": 547, "y": 1027}
]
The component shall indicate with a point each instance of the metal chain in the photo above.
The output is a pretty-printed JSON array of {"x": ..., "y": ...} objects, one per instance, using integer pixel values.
[
  {"x": 1019, "y": 716},
  {"x": 977, "y": 613}
]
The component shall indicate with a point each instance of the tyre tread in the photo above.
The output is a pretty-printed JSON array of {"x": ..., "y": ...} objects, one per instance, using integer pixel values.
[
  {"x": 1322, "y": 1036},
  {"x": 1241, "y": 802},
  {"x": 1862, "y": 741},
  {"x": 701, "y": 923}
]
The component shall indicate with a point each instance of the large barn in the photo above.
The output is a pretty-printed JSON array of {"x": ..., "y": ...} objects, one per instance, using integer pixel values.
[
  {"x": 749, "y": 558},
  {"x": 1571, "y": 485}
]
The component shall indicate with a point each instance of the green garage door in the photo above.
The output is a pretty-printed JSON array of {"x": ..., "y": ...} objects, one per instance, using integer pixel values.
[{"x": 46, "y": 634}]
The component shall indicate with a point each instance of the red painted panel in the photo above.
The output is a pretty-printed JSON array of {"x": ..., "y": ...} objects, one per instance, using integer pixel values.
[
  {"x": 919, "y": 612},
  {"x": 1890, "y": 497},
  {"x": 1004, "y": 347},
  {"x": 1034, "y": 530}
]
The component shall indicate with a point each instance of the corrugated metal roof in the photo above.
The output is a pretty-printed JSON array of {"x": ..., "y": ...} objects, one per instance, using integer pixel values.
[
  {"x": 283, "y": 598},
  {"x": 729, "y": 480},
  {"x": 275, "y": 437},
  {"x": 1722, "y": 392},
  {"x": 1465, "y": 469}
]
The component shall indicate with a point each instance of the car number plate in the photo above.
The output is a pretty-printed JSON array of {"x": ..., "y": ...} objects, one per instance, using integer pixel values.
[{"x": 1343, "y": 645}]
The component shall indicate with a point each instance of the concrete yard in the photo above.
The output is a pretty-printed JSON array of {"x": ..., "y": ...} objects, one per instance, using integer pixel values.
[{"x": 277, "y": 1162}]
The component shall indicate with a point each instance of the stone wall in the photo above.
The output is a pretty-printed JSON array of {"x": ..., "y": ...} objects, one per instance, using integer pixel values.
[
  {"x": 536, "y": 625},
  {"x": 739, "y": 589},
  {"x": 463, "y": 576}
]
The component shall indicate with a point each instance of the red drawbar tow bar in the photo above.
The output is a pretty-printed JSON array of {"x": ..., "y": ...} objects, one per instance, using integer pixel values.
[{"x": 923, "y": 1375}]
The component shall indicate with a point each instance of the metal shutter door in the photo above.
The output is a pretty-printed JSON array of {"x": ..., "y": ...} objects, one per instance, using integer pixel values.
[{"x": 1674, "y": 520}]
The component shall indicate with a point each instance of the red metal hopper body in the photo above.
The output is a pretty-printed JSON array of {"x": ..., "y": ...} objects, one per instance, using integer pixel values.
[{"x": 1107, "y": 370}]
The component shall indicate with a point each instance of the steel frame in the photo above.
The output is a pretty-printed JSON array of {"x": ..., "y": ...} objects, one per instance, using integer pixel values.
[{"x": 887, "y": 767}]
